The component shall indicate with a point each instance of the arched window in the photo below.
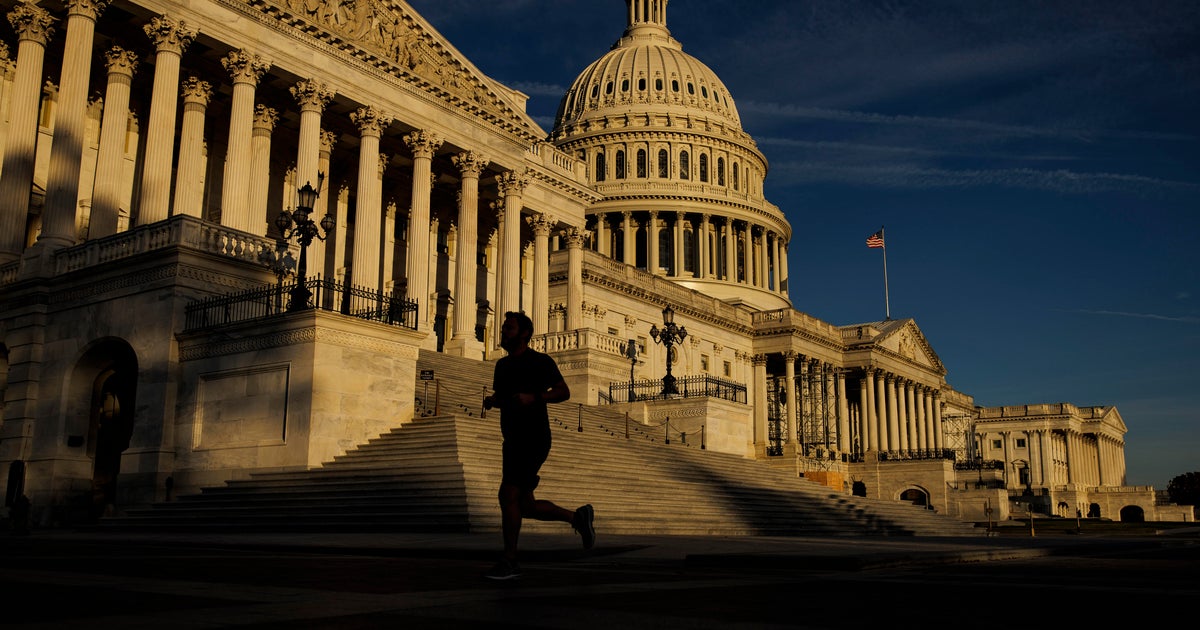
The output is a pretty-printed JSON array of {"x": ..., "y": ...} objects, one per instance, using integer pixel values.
[
  {"x": 735, "y": 176},
  {"x": 663, "y": 164},
  {"x": 704, "y": 167},
  {"x": 666, "y": 249},
  {"x": 674, "y": 85},
  {"x": 720, "y": 171},
  {"x": 684, "y": 165},
  {"x": 641, "y": 163},
  {"x": 608, "y": 87},
  {"x": 642, "y": 84},
  {"x": 703, "y": 91},
  {"x": 595, "y": 91},
  {"x": 620, "y": 165},
  {"x": 600, "y": 167},
  {"x": 689, "y": 246},
  {"x": 658, "y": 84},
  {"x": 624, "y": 85}
]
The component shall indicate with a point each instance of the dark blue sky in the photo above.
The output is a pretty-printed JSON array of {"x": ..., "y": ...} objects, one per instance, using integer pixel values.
[{"x": 1036, "y": 165}]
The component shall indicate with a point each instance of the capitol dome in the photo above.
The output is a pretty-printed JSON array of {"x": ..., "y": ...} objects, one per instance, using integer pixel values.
[{"x": 681, "y": 183}]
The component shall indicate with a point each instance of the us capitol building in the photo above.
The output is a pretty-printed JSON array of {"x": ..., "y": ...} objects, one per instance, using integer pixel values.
[{"x": 230, "y": 228}]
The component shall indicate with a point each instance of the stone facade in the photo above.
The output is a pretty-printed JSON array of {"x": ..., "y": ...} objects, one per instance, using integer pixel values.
[{"x": 143, "y": 351}]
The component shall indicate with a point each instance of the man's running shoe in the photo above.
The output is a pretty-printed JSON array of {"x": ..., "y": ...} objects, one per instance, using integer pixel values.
[
  {"x": 583, "y": 524},
  {"x": 504, "y": 570}
]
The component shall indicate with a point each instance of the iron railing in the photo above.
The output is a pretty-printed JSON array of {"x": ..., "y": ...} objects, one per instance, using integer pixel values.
[
  {"x": 702, "y": 386},
  {"x": 327, "y": 295}
]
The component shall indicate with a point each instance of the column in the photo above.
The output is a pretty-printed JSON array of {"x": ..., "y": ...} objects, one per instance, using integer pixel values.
[
  {"x": 677, "y": 259},
  {"x": 791, "y": 423},
  {"x": 602, "y": 244},
  {"x": 843, "y": 411},
  {"x": 919, "y": 408},
  {"x": 782, "y": 285},
  {"x": 423, "y": 145},
  {"x": 773, "y": 280},
  {"x": 702, "y": 242},
  {"x": 341, "y": 215},
  {"x": 263, "y": 126},
  {"x": 70, "y": 122},
  {"x": 881, "y": 415},
  {"x": 170, "y": 39},
  {"x": 764, "y": 276},
  {"x": 575, "y": 238},
  {"x": 937, "y": 420},
  {"x": 760, "y": 404},
  {"x": 245, "y": 69},
  {"x": 730, "y": 252},
  {"x": 628, "y": 239},
  {"x": 866, "y": 403},
  {"x": 871, "y": 413},
  {"x": 471, "y": 164},
  {"x": 652, "y": 257},
  {"x": 33, "y": 26},
  {"x": 387, "y": 236},
  {"x": 323, "y": 205},
  {"x": 106, "y": 193},
  {"x": 189, "y": 191},
  {"x": 512, "y": 187},
  {"x": 368, "y": 228},
  {"x": 541, "y": 224},
  {"x": 313, "y": 96},
  {"x": 747, "y": 253}
]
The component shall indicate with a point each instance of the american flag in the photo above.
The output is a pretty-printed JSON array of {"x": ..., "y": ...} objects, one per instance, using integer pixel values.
[{"x": 875, "y": 240}]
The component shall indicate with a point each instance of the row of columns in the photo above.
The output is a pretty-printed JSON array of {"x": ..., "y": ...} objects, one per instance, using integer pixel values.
[
  {"x": 762, "y": 250},
  {"x": 1059, "y": 457},
  {"x": 246, "y": 169},
  {"x": 898, "y": 414}
]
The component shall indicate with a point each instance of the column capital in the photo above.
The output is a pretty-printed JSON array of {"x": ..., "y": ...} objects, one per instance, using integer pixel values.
[
  {"x": 370, "y": 121},
  {"x": 32, "y": 23},
  {"x": 384, "y": 160},
  {"x": 512, "y": 183},
  {"x": 759, "y": 359},
  {"x": 265, "y": 117},
  {"x": 471, "y": 163},
  {"x": 312, "y": 95},
  {"x": 196, "y": 91},
  {"x": 246, "y": 67},
  {"x": 541, "y": 223},
  {"x": 328, "y": 139},
  {"x": 423, "y": 144},
  {"x": 170, "y": 35},
  {"x": 90, "y": 9},
  {"x": 575, "y": 236},
  {"x": 120, "y": 61}
]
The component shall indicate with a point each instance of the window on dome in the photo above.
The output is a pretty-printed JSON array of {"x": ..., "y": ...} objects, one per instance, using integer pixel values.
[
  {"x": 663, "y": 164},
  {"x": 642, "y": 85},
  {"x": 684, "y": 166},
  {"x": 600, "y": 167},
  {"x": 720, "y": 171},
  {"x": 703, "y": 167},
  {"x": 691, "y": 89},
  {"x": 624, "y": 85},
  {"x": 641, "y": 163},
  {"x": 674, "y": 85},
  {"x": 735, "y": 176},
  {"x": 595, "y": 91},
  {"x": 620, "y": 165},
  {"x": 608, "y": 87},
  {"x": 658, "y": 84},
  {"x": 703, "y": 91},
  {"x": 689, "y": 246}
]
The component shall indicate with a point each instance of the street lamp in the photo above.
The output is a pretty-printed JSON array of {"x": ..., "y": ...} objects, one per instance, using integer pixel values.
[
  {"x": 668, "y": 336},
  {"x": 299, "y": 224}
]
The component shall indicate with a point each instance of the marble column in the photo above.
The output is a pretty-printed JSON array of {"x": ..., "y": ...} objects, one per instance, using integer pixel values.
[
  {"x": 937, "y": 421},
  {"x": 677, "y": 264},
  {"x": 747, "y": 256},
  {"x": 368, "y": 221},
  {"x": 602, "y": 243},
  {"x": 541, "y": 225},
  {"x": 1046, "y": 458},
  {"x": 189, "y": 190},
  {"x": 512, "y": 187},
  {"x": 843, "y": 411},
  {"x": 265, "y": 119},
  {"x": 866, "y": 403},
  {"x": 761, "y": 440},
  {"x": 628, "y": 239},
  {"x": 313, "y": 96},
  {"x": 773, "y": 277},
  {"x": 423, "y": 145},
  {"x": 110, "y": 161},
  {"x": 471, "y": 164},
  {"x": 33, "y": 27},
  {"x": 246, "y": 69},
  {"x": 730, "y": 271},
  {"x": 387, "y": 235},
  {"x": 171, "y": 38},
  {"x": 575, "y": 238},
  {"x": 881, "y": 415},
  {"x": 870, "y": 421},
  {"x": 652, "y": 257},
  {"x": 782, "y": 285},
  {"x": 792, "y": 422},
  {"x": 70, "y": 122},
  {"x": 702, "y": 242}
]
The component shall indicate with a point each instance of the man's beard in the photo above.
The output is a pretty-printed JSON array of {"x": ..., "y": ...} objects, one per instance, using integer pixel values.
[{"x": 509, "y": 344}]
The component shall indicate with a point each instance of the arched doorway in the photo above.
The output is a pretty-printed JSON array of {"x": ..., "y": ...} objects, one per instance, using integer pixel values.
[
  {"x": 105, "y": 380},
  {"x": 1133, "y": 514},
  {"x": 916, "y": 496}
]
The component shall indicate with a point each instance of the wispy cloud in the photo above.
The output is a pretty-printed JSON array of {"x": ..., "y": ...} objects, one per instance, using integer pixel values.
[{"x": 1184, "y": 319}]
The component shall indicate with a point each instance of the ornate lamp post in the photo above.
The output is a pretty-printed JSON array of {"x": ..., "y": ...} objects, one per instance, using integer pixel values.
[
  {"x": 299, "y": 224},
  {"x": 668, "y": 336}
]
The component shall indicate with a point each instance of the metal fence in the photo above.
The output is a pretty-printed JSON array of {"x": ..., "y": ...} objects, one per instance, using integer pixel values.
[
  {"x": 272, "y": 300},
  {"x": 688, "y": 386}
]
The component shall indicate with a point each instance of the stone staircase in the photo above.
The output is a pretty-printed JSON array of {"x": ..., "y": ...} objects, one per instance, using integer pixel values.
[{"x": 440, "y": 473}]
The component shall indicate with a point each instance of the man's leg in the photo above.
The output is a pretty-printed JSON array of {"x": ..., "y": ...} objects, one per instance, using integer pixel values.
[{"x": 510, "y": 517}]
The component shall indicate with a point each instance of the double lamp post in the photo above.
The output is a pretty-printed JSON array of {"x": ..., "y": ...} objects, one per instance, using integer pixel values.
[
  {"x": 670, "y": 335},
  {"x": 299, "y": 224}
]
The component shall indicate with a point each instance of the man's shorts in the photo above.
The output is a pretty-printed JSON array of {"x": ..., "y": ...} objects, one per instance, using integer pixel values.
[{"x": 522, "y": 461}]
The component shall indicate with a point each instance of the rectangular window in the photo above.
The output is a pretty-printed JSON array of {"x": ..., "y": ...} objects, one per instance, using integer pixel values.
[
  {"x": 1020, "y": 442},
  {"x": 612, "y": 331},
  {"x": 704, "y": 362},
  {"x": 997, "y": 444},
  {"x": 728, "y": 370}
]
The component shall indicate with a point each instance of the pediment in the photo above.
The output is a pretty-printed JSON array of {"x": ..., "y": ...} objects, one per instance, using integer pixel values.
[
  {"x": 395, "y": 38},
  {"x": 905, "y": 339}
]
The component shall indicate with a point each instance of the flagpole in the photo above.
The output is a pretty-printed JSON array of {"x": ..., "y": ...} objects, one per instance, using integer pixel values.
[{"x": 887, "y": 308}]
